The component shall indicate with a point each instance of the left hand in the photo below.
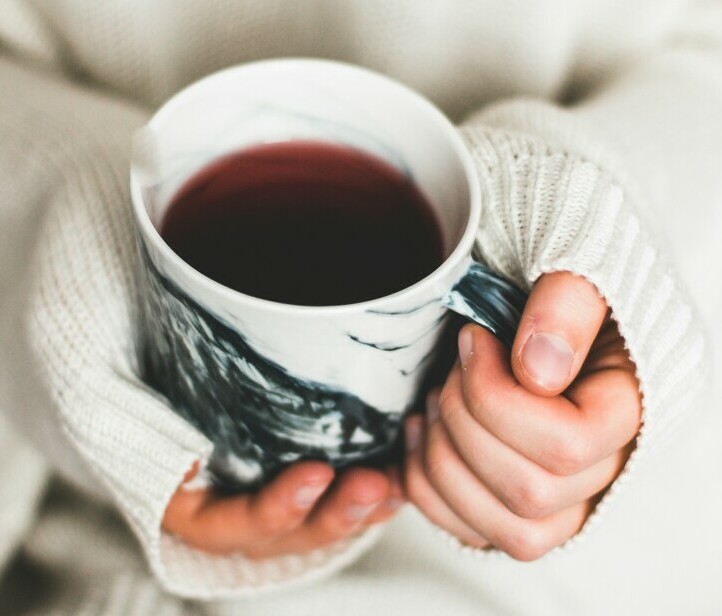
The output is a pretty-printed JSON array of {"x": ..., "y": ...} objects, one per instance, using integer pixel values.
[
  {"x": 298, "y": 511},
  {"x": 515, "y": 452}
]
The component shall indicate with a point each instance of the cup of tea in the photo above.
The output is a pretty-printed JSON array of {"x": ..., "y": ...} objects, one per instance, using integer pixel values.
[{"x": 305, "y": 226}]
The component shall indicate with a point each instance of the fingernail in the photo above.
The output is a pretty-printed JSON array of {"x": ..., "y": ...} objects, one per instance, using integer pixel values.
[
  {"x": 360, "y": 511},
  {"x": 432, "y": 406},
  {"x": 413, "y": 435},
  {"x": 547, "y": 359},
  {"x": 307, "y": 495},
  {"x": 466, "y": 345}
]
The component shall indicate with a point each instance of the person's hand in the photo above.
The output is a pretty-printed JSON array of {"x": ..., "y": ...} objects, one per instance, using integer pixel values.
[
  {"x": 515, "y": 452},
  {"x": 302, "y": 509}
]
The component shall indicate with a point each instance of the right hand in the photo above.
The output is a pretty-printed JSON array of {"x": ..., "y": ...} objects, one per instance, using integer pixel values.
[{"x": 300, "y": 510}]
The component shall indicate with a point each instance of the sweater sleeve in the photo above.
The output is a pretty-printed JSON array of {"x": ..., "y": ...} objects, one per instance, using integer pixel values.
[
  {"x": 617, "y": 187},
  {"x": 67, "y": 294}
]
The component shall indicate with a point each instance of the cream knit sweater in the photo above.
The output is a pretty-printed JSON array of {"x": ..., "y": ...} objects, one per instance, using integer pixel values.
[{"x": 597, "y": 130}]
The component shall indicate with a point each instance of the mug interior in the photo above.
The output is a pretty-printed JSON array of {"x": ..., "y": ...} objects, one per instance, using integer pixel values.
[{"x": 309, "y": 100}]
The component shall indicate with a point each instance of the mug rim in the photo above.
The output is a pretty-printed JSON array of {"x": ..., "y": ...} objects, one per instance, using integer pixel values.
[{"x": 463, "y": 247}]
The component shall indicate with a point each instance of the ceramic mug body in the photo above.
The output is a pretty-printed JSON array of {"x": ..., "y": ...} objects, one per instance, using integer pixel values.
[{"x": 271, "y": 383}]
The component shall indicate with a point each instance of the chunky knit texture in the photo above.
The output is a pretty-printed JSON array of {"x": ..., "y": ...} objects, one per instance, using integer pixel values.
[{"x": 594, "y": 188}]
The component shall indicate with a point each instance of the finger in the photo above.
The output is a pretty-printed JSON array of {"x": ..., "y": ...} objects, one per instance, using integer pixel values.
[
  {"x": 226, "y": 524},
  {"x": 565, "y": 435},
  {"x": 423, "y": 495},
  {"x": 525, "y": 488},
  {"x": 348, "y": 506},
  {"x": 523, "y": 539},
  {"x": 394, "y": 500},
  {"x": 331, "y": 521},
  {"x": 560, "y": 321},
  {"x": 357, "y": 500},
  {"x": 324, "y": 526}
]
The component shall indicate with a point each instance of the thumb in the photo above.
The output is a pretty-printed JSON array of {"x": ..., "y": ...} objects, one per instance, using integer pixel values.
[{"x": 561, "y": 319}]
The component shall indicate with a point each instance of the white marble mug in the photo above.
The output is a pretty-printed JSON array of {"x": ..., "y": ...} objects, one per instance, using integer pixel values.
[{"x": 273, "y": 383}]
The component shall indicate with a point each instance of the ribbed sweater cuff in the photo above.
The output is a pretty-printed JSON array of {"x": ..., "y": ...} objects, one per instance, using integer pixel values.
[
  {"x": 549, "y": 209},
  {"x": 190, "y": 573},
  {"x": 140, "y": 450}
]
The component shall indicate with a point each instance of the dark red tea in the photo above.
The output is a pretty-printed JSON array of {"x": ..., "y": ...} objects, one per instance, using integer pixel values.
[{"x": 305, "y": 223}]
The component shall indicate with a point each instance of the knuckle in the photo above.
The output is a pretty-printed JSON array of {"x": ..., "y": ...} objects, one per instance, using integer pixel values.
[
  {"x": 528, "y": 542},
  {"x": 570, "y": 453},
  {"x": 533, "y": 497}
]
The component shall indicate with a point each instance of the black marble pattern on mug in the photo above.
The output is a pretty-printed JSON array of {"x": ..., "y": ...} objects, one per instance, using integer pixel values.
[
  {"x": 259, "y": 416},
  {"x": 489, "y": 300},
  {"x": 431, "y": 302},
  {"x": 390, "y": 347}
]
